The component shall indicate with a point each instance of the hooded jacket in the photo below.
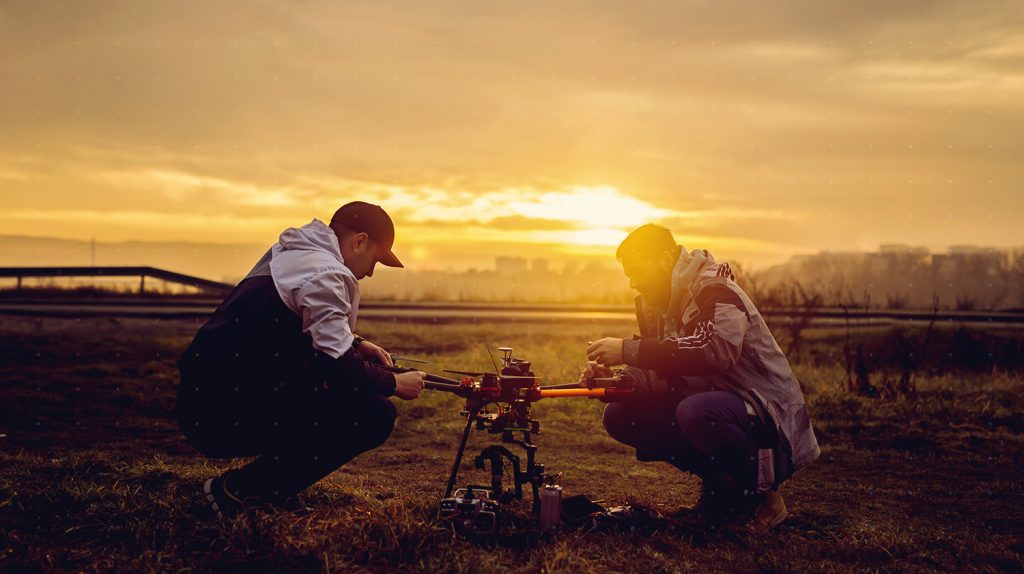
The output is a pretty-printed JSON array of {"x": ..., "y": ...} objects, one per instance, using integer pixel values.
[
  {"x": 711, "y": 329},
  {"x": 288, "y": 325}
]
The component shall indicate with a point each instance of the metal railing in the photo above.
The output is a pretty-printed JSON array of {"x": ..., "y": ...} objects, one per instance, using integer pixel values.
[{"x": 207, "y": 285}]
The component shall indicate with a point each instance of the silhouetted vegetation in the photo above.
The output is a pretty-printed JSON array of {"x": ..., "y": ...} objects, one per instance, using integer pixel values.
[{"x": 965, "y": 279}]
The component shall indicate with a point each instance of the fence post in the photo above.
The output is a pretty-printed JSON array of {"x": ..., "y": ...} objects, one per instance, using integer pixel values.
[{"x": 142, "y": 284}]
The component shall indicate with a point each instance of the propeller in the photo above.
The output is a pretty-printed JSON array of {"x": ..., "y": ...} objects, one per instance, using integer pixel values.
[
  {"x": 577, "y": 386},
  {"x": 562, "y": 386},
  {"x": 467, "y": 373},
  {"x": 395, "y": 358},
  {"x": 502, "y": 377},
  {"x": 507, "y": 353}
]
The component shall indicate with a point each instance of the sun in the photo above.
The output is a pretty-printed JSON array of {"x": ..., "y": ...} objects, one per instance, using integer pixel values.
[
  {"x": 594, "y": 237},
  {"x": 603, "y": 215},
  {"x": 575, "y": 217},
  {"x": 601, "y": 207}
]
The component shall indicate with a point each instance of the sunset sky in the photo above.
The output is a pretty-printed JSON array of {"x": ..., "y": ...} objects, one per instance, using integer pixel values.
[{"x": 543, "y": 129}]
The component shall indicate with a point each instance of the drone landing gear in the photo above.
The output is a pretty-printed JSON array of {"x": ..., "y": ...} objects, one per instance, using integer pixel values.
[
  {"x": 533, "y": 475},
  {"x": 496, "y": 455},
  {"x": 470, "y": 418}
]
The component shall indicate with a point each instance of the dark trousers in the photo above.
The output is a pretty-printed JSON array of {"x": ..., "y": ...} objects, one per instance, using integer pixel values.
[
  {"x": 298, "y": 437},
  {"x": 708, "y": 433}
]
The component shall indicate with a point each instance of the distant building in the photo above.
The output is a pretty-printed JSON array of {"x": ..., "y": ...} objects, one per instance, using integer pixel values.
[
  {"x": 509, "y": 265},
  {"x": 974, "y": 260},
  {"x": 902, "y": 249},
  {"x": 943, "y": 265},
  {"x": 539, "y": 265}
]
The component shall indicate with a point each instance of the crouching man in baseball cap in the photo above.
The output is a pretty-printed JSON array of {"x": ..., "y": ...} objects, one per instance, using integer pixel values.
[{"x": 278, "y": 371}]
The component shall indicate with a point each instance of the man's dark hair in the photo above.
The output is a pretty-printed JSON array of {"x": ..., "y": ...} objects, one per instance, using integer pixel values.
[{"x": 647, "y": 241}]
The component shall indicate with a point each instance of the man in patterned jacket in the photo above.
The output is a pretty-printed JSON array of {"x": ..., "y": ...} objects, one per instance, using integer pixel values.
[{"x": 715, "y": 393}]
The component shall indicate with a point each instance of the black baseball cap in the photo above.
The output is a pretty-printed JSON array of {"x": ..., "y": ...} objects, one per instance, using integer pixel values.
[{"x": 374, "y": 222}]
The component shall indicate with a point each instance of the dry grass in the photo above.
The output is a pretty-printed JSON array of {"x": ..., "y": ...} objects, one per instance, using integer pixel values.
[{"x": 94, "y": 476}]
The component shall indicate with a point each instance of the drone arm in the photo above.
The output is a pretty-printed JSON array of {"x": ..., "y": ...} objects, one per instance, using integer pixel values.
[
  {"x": 602, "y": 393},
  {"x": 437, "y": 386},
  {"x": 428, "y": 377},
  {"x": 562, "y": 386},
  {"x": 435, "y": 382},
  {"x": 442, "y": 380}
]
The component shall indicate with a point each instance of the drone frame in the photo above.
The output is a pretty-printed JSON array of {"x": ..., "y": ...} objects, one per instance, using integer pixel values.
[{"x": 513, "y": 391}]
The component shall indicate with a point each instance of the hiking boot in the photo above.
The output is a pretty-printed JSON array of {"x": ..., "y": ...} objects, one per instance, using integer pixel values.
[
  {"x": 221, "y": 500},
  {"x": 770, "y": 513},
  {"x": 717, "y": 503}
]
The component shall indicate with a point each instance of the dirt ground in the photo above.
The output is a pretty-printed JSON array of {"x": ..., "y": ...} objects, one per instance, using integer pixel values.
[{"x": 94, "y": 475}]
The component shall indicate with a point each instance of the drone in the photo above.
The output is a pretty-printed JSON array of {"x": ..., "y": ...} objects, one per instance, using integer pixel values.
[{"x": 500, "y": 403}]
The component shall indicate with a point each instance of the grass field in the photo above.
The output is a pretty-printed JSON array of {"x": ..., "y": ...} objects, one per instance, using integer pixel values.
[{"x": 95, "y": 477}]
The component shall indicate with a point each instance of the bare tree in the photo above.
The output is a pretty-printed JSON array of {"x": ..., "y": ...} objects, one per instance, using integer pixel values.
[{"x": 803, "y": 305}]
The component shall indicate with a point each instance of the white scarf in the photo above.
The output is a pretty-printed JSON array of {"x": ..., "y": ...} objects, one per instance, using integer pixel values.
[{"x": 685, "y": 272}]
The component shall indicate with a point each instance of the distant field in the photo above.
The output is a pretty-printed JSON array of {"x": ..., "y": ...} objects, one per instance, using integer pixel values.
[{"x": 94, "y": 476}]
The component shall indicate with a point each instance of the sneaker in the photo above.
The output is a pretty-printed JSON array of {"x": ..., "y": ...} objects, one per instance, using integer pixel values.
[
  {"x": 221, "y": 500},
  {"x": 295, "y": 503},
  {"x": 226, "y": 503},
  {"x": 770, "y": 513}
]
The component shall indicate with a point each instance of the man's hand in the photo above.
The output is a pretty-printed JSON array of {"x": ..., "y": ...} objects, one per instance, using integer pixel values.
[
  {"x": 606, "y": 351},
  {"x": 408, "y": 385},
  {"x": 374, "y": 354},
  {"x": 591, "y": 371}
]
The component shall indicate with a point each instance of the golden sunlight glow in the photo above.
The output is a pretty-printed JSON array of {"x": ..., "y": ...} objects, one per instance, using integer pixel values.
[
  {"x": 597, "y": 237},
  {"x": 584, "y": 207},
  {"x": 420, "y": 253},
  {"x": 542, "y": 134},
  {"x": 595, "y": 207},
  {"x": 577, "y": 215}
]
